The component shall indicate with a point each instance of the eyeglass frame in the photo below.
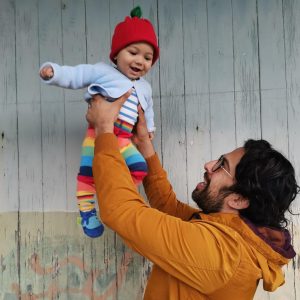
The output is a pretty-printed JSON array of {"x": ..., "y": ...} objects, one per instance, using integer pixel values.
[{"x": 220, "y": 165}]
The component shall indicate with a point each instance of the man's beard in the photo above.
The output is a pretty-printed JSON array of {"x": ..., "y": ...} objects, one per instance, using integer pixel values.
[{"x": 209, "y": 203}]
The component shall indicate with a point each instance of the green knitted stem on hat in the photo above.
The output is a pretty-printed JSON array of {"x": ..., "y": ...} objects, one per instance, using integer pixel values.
[{"x": 136, "y": 12}]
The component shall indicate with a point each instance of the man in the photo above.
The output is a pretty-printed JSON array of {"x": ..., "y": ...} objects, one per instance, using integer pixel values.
[{"x": 220, "y": 253}]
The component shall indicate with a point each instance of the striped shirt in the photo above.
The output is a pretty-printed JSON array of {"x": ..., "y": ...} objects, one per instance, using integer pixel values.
[{"x": 129, "y": 111}]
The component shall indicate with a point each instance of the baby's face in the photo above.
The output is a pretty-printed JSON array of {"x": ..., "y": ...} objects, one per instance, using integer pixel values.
[{"x": 135, "y": 60}]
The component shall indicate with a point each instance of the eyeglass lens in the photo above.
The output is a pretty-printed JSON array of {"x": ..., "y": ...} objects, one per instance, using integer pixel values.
[{"x": 218, "y": 164}]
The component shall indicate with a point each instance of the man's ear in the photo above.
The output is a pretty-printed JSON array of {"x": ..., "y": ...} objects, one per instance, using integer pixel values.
[{"x": 238, "y": 202}]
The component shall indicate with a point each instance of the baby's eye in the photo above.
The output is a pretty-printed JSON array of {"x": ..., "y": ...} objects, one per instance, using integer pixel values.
[
  {"x": 148, "y": 58},
  {"x": 132, "y": 52}
]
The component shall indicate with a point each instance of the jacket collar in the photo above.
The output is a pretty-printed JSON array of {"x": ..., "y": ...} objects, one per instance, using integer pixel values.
[{"x": 271, "y": 242}]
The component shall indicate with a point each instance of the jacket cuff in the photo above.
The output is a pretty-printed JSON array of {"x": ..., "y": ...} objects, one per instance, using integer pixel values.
[{"x": 106, "y": 142}]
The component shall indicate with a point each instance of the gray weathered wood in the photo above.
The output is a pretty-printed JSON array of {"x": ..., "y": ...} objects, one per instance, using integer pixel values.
[
  {"x": 172, "y": 90},
  {"x": 196, "y": 82},
  {"x": 9, "y": 159},
  {"x": 52, "y": 110},
  {"x": 273, "y": 95},
  {"x": 29, "y": 137},
  {"x": 229, "y": 70},
  {"x": 221, "y": 77},
  {"x": 8, "y": 111},
  {"x": 291, "y": 15},
  {"x": 246, "y": 70}
]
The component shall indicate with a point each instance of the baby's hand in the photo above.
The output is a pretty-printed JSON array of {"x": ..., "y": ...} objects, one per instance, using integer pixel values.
[
  {"x": 151, "y": 135},
  {"x": 47, "y": 72}
]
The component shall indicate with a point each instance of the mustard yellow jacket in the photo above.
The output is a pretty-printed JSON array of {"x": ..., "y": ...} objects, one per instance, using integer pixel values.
[{"x": 196, "y": 256}]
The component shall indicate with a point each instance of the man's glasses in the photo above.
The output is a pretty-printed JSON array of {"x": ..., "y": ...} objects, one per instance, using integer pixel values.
[{"x": 220, "y": 165}]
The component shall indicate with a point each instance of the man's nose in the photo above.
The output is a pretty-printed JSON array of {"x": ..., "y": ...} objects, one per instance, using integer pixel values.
[{"x": 209, "y": 165}]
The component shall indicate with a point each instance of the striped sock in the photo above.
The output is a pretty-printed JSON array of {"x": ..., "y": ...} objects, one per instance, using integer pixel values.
[
  {"x": 91, "y": 225},
  {"x": 134, "y": 160}
]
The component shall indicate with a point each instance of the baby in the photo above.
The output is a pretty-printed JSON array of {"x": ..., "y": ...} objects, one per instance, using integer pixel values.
[{"x": 134, "y": 50}]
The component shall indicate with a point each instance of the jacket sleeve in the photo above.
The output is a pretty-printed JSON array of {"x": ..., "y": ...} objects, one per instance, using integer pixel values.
[
  {"x": 149, "y": 113},
  {"x": 144, "y": 91},
  {"x": 160, "y": 192},
  {"x": 73, "y": 77},
  {"x": 193, "y": 252},
  {"x": 100, "y": 78}
]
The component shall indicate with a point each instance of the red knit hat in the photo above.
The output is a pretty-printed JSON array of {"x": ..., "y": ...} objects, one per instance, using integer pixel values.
[{"x": 133, "y": 29}]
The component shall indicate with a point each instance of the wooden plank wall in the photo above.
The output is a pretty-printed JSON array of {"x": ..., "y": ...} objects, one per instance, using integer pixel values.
[{"x": 229, "y": 70}]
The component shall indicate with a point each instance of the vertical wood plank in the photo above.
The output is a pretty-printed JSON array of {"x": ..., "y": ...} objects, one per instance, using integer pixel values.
[
  {"x": 53, "y": 141},
  {"x": 196, "y": 81},
  {"x": 172, "y": 91},
  {"x": 208, "y": 77},
  {"x": 29, "y": 139},
  {"x": 291, "y": 15},
  {"x": 53, "y": 110},
  {"x": 221, "y": 76},
  {"x": 8, "y": 111},
  {"x": 272, "y": 69},
  {"x": 9, "y": 192},
  {"x": 29, "y": 108},
  {"x": 73, "y": 53},
  {"x": 291, "y": 11},
  {"x": 246, "y": 70},
  {"x": 98, "y": 38},
  {"x": 273, "y": 95},
  {"x": 149, "y": 9}
]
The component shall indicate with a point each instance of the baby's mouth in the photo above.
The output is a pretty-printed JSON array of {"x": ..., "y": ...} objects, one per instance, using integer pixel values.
[{"x": 135, "y": 69}]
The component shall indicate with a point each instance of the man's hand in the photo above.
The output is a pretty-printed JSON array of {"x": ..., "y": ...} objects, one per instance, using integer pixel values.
[
  {"x": 141, "y": 136},
  {"x": 102, "y": 114}
]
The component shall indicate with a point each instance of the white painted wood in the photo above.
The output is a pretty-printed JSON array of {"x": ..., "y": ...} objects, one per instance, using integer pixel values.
[
  {"x": 196, "y": 81},
  {"x": 291, "y": 11},
  {"x": 9, "y": 192},
  {"x": 221, "y": 77},
  {"x": 291, "y": 15},
  {"x": 272, "y": 70},
  {"x": 246, "y": 70},
  {"x": 29, "y": 107},
  {"x": 98, "y": 39},
  {"x": 215, "y": 56},
  {"x": 8, "y": 111},
  {"x": 74, "y": 52},
  {"x": 29, "y": 137},
  {"x": 100, "y": 252},
  {"x": 52, "y": 110},
  {"x": 273, "y": 96},
  {"x": 172, "y": 90},
  {"x": 149, "y": 9}
]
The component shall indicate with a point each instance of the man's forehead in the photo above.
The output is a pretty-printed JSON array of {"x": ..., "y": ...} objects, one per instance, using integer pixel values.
[{"x": 236, "y": 154}]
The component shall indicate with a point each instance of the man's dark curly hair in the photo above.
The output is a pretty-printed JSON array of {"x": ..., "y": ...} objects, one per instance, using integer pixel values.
[{"x": 267, "y": 179}]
